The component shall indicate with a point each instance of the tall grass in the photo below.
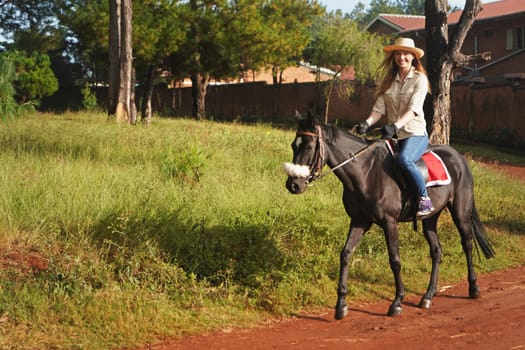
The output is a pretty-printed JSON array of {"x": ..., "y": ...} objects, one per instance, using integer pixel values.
[{"x": 185, "y": 226}]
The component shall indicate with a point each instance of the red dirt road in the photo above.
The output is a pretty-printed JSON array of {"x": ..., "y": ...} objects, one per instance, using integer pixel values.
[{"x": 496, "y": 321}]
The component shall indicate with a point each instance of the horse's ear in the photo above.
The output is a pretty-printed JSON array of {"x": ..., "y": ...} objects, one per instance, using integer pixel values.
[
  {"x": 298, "y": 116},
  {"x": 311, "y": 117},
  {"x": 307, "y": 122}
]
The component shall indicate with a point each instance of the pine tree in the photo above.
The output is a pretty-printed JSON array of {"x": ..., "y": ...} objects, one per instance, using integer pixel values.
[{"x": 9, "y": 109}]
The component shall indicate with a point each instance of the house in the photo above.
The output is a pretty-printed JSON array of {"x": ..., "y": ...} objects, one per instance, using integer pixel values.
[
  {"x": 499, "y": 29},
  {"x": 388, "y": 24}
]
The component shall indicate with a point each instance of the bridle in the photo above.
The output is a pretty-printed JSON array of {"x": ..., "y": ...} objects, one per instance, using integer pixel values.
[{"x": 318, "y": 161}]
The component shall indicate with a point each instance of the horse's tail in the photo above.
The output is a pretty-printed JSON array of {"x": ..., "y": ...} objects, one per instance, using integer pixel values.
[{"x": 481, "y": 235}]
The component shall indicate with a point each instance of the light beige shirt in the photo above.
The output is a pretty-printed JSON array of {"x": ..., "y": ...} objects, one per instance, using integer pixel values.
[{"x": 401, "y": 97}]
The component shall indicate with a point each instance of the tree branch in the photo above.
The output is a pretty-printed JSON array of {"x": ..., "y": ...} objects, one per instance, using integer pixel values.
[
  {"x": 468, "y": 16},
  {"x": 462, "y": 60}
]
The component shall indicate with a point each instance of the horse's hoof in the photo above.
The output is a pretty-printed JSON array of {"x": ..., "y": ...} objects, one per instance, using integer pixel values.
[
  {"x": 341, "y": 312},
  {"x": 425, "y": 303},
  {"x": 394, "y": 310},
  {"x": 474, "y": 292}
]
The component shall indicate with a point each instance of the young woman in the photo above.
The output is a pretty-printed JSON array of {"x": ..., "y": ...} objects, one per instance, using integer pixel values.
[{"x": 400, "y": 98}]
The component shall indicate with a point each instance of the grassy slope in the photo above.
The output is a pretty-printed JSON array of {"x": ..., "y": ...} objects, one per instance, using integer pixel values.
[{"x": 186, "y": 226}]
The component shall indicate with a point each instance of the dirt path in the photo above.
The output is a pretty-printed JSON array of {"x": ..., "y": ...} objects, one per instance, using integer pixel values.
[{"x": 495, "y": 321}]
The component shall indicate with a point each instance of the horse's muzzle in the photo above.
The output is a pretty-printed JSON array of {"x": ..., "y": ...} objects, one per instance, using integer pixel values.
[{"x": 296, "y": 185}]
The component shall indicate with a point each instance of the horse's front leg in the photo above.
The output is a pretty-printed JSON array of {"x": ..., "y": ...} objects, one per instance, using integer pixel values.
[
  {"x": 354, "y": 236},
  {"x": 430, "y": 231},
  {"x": 392, "y": 242}
]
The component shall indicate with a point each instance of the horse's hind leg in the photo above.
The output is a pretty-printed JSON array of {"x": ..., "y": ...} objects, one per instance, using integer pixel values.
[
  {"x": 430, "y": 232},
  {"x": 462, "y": 216}
]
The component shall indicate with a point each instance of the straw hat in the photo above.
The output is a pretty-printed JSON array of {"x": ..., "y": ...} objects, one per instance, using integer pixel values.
[{"x": 405, "y": 44}]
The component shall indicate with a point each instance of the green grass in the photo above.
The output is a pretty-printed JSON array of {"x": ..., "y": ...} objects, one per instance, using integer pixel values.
[{"x": 180, "y": 227}]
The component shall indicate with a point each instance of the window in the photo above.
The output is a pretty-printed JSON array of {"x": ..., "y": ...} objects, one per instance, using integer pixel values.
[
  {"x": 510, "y": 39},
  {"x": 520, "y": 38}
]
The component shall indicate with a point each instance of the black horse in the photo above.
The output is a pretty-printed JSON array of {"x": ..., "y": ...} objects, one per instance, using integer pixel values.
[{"x": 372, "y": 194}]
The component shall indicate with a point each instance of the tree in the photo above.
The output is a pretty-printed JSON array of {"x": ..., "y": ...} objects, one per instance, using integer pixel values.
[
  {"x": 9, "y": 108},
  {"x": 226, "y": 38},
  {"x": 206, "y": 51},
  {"x": 157, "y": 33},
  {"x": 364, "y": 17},
  {"x": 338, "y": 43},
  {"x": 443, "y": 54},
  {"x": 87, "y": 23},
  {"x": 20, "y": 17},
  {"x": 288, "y": 25},
  {"x": 408, "y": 7},
  {"x": 121, "y": 91},
  {"x": 34, "y": 77}
]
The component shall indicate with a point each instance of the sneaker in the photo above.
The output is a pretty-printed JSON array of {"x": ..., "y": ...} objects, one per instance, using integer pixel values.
[{"x": 425, "y": 206}]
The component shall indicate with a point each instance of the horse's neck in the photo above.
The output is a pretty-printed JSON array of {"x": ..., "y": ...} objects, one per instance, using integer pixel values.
[
  {"x": 342, "y": 146},
  {"x": 364, "y": 160}
]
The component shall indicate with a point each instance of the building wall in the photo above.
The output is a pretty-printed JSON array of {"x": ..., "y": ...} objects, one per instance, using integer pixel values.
[
  {"x": 487, "y": 35},
  {"x": 492, "y": 36}
]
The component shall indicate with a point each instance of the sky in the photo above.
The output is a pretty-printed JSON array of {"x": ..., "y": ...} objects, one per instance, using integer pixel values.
[{"x": 346, "y": 6}]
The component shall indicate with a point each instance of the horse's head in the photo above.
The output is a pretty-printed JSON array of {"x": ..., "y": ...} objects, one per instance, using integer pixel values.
[{"x": 308, "y": 155}]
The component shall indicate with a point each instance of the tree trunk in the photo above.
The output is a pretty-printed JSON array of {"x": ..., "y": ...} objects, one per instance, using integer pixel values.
[
  {"x": 442, "y": 56},
  {"x": 124, "y": 109},
  {"x": 199, "y": 84},
  {"x": 132, "y": 104},
  {"x": 121, "y": 95},
  {"x": 114, "y": 56},
  {"x": 276, "y": 91},
  {"x": 147, "y": 96}
]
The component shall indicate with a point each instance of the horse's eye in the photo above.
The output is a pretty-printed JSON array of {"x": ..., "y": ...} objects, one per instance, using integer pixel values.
[{"x": 309, "y": 146}]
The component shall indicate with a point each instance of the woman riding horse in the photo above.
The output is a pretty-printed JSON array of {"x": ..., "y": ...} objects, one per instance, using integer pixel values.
[{"x": 373, "y": 195}]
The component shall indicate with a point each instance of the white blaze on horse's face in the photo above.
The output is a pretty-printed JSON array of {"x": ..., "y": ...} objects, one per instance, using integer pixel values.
[{"x": 296, "y": 170}]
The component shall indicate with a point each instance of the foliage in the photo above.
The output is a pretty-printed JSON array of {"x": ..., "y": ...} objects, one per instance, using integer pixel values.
[
  {"x": 89, "y": 98},
  {"x": 134, "y": 255},
  {"x": 186, "y": 165},
  {"x": 365, "y": 15},
  {"x": 9, "y": 108},
  {"x": 89, "y": 34},
  {"x": 338, "y": 43},
  {"x": 29, "y": 21},
  {"x": 34, "y": 76},
  {"x": 287, "y": 25}
]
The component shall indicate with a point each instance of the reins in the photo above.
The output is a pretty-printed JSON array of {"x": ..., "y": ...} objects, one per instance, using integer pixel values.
[
  {"x": 353, "y": 158},
  {"x": 316, "y": 172}
]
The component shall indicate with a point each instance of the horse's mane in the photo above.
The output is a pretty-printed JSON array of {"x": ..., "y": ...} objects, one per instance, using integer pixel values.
[{"x": 332, "y": 133}]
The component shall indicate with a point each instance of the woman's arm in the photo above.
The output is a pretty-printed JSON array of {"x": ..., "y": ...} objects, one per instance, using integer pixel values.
[{"x": 373, "y": 118}]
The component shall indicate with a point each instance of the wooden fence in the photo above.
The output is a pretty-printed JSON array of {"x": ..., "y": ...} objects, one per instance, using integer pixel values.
[{"x": 495, "y": 110}]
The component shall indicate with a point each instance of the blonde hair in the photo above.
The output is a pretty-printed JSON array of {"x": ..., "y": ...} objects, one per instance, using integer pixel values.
[{"x": 388, "y": 70}]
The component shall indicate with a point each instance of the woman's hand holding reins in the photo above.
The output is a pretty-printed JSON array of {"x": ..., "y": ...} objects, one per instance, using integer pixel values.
[
  {"x": 362, "y": 128},
  {"x": 388, "y": 131}
]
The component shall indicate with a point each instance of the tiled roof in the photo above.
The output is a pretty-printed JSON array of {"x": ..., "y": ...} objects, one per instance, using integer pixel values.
[
  {"x": 407, "y": 23},
  {"x": 492, "y": 9},
  {"x": 404, "y": 22}
]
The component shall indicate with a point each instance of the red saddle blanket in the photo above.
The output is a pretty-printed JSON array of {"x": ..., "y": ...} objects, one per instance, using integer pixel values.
[
  {"x": 437, "y": 171},
  {"x": 435, "y": 174}
]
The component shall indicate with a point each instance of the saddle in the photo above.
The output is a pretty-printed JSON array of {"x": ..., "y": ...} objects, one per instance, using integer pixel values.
[{"x": 434, "y": 173}]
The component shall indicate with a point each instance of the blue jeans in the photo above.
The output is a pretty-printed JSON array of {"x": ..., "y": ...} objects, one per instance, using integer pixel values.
[{"x": 411, "y": 149}]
